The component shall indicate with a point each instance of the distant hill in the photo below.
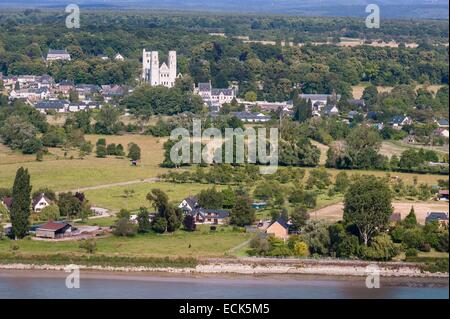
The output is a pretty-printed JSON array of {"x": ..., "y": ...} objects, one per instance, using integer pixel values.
[{"x": 389, "y": 8}]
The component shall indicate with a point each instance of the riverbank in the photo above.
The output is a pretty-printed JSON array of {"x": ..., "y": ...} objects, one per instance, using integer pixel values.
[{"x": 255, "y": 266}]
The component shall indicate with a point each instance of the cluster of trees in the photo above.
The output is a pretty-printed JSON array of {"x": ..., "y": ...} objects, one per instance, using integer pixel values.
[
  {"x": 269, "y": 71},
  {"x": 147, "y": 100},
  {"x": 364, "y": 232},
  {"x": 65, "y": 205},
  {"x": 360, "y": 150},
  {"x": 102, "y": 150},
  {"x": 20, "y": 125},
  {"x": 414, "y": 237}
]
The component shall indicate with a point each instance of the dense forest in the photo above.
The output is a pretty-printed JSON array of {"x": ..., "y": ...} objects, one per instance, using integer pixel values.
[{"x": 270, "y": 70}]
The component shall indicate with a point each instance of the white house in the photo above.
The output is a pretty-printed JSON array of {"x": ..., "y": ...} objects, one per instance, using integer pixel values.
[
  {"x": 54, "y": 55},
  {"x": 399, "y": 121},
  {"x": 319, "y": 101},
  {"x": 40, "y": 202},
  {"x": 189, "y": 204},
  {"x": 215, "y": 97},
  {"x": 211, "y": 216},
  {"x": 118, "y": 57}
]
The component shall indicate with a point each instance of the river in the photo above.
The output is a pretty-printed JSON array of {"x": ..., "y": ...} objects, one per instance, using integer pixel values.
[{"x": 51, "y": 284}]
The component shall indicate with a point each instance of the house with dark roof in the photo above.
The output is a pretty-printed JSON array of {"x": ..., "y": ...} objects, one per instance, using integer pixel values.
[
  {"x": 189, "y": 204},
  {"x": 53, "y": 230},
  {"x": 65, "y": 86},
  {"x": 251, "y": 117},
  {"x": 85, "y": 90},
  {"x": 440, "y": 217},
  {"x": 330, "y": 110},
  {"x": 54, "y": 55},
  {"x": 40, "y": 202},
  {"x": 399, "y": 121},
  {"x": 358, "y": 103},
  {"x": 442, "y": 123},
  {"x": 279, "y": 229},
  {"x": 7, "y": 202},
  {"x": 59, "y": 106},
  {"x": 215, "y": 97},
  {"x": 443, "y": 195},
  {"x": 211, "y": 216}
]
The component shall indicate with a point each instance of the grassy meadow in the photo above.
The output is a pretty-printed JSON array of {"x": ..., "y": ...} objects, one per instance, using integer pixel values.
[
  {"x": 201, "y": 243},
  {"x": 61, "y": 173},
  {"x": 114, "y": 198}
]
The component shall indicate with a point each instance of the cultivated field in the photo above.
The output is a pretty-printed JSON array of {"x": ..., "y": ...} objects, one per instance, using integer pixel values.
[
  {"x": 359, "y": 89},
  {"x": 334, "y": 212}
]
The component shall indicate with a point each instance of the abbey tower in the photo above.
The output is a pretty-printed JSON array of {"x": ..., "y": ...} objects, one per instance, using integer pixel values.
[{"x": 156, "y": 74}]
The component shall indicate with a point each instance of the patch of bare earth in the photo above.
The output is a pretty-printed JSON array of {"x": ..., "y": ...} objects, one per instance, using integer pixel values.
[{"x": 334, "y": 212}]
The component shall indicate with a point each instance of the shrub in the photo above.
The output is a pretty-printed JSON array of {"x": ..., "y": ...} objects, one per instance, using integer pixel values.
[
  {"x": 50, "y": 212},
  {"x": 189, "y": 223},
  {"x": 260, "y": 246},
  {"x": 124, "y": 227},
  {"x": 88, "y": 245},
  {"x": 301, "y": 249},
  {"x": 411, "y": 252},
  {"x": 381, "y": 248},
  {"x": 159, "y": 225}
]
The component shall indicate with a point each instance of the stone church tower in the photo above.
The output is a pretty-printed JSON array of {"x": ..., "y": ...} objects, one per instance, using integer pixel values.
[{"x": 156, "y": 74}]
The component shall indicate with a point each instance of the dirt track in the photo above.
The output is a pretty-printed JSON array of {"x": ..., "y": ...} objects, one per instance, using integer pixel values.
[{"x": 334, "y": 212}]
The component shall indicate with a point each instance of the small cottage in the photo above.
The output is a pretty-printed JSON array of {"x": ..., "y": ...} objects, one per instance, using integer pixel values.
[{"x": 279, "y": 229}]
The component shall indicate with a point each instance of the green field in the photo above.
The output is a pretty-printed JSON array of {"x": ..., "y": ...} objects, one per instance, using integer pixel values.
[
  {"x": 61, "y": 173},
  {"x": 113, "y": 198},
  {"x": 202, "y": 242}
]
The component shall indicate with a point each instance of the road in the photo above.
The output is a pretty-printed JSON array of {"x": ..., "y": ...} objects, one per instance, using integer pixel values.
[{"x": 136, "y": 181}]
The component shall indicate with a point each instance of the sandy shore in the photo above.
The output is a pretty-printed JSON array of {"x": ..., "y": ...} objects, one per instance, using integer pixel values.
[{"x": 260, "y": 267}]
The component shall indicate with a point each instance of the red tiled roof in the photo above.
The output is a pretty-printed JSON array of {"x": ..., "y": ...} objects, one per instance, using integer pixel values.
[
  {"x": 53, "y": 226},
  {"x": 443, "y": 192}
]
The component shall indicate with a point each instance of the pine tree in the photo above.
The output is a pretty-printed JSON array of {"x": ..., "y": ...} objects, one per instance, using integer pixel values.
[{"x": 21, "y": 203}]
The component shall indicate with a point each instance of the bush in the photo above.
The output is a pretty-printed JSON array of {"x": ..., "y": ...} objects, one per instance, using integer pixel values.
[
  {"x": 89, "y": 245},
  {"x": 381, "y": 248},
  {"x": 101, "y": 151},
  {"x": 413, "y": 238},
  {"x": 124, "y": 228},
  {"x": 260, "y": 246},
  {"x": 301, "y": 249},
  {"x": 189, "y": 223},
  {"x": 411, "y": 252},
  {"x": 50, "y": 212},
  {"x": 159, "y": 225}
]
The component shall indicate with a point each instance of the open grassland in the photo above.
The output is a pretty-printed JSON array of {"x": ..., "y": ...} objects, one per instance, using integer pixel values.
[
  {"x": 114, "y": 198},
  {"x": 62, "y": 173},
  {"x": 390, "y": 148},
  {"x": 201, "y": 243}
]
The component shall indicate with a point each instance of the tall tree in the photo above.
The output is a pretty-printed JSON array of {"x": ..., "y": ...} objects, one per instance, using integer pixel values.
[
  {"x": 21, "y": 203},
  {"x": 368, "y": 205},
  {"x": 242, "y": 213}
]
